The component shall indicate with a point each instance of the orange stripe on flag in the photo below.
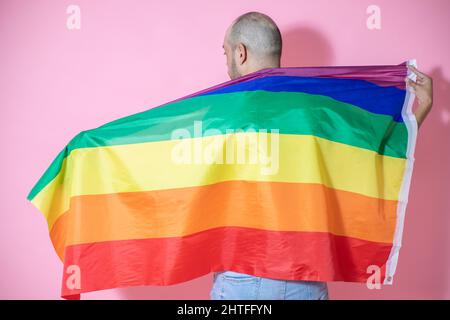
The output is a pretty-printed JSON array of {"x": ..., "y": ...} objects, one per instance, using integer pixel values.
[{"x": 180, "y": 212}]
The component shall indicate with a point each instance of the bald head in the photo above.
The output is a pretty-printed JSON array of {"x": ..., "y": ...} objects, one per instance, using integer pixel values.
[
  {"x": 259, "y": 33},
  {"x": 257, "y": 40}
]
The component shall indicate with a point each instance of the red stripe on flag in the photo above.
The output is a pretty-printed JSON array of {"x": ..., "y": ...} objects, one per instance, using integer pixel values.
[{"x": 284, "y": 255}]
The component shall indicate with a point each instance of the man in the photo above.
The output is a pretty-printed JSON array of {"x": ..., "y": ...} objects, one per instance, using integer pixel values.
[{"x": 253, "y": 42}]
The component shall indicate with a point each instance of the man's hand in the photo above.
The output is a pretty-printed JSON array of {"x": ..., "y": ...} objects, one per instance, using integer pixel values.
[{"x": 423, "y": 89}]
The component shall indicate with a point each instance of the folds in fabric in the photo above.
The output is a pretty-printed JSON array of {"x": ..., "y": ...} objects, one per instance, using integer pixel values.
[{"x": 288, "y": 173}]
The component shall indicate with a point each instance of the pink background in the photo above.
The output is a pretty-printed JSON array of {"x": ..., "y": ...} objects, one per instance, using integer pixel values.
[{"x": 133, "y": 55}]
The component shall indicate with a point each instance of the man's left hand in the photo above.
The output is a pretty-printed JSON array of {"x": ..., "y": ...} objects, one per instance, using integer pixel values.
[{"x": 423, "y": 89}]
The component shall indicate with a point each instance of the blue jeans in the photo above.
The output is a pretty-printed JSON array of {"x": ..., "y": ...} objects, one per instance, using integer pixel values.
[{"x": 230, "y": 285}]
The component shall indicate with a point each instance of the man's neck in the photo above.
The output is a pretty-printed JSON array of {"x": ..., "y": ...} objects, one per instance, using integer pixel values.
[{"x": 262, "y": 67}]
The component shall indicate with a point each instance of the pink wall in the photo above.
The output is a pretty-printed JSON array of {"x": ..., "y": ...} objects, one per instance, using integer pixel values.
[{"x": 132, "y": 55}]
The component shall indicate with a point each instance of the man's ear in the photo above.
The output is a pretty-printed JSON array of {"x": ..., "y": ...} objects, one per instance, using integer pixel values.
[{"x": 242, "y": 51}]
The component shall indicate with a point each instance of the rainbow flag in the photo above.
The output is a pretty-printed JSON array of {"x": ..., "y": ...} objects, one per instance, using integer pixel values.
[{"x": 288, "y": 173}]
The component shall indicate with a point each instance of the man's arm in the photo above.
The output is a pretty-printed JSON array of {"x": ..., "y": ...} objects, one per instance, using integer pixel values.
[{"x": 423, "y": 88}]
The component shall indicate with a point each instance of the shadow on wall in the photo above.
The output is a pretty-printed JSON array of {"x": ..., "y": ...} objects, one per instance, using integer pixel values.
[
  {"x": 305, "y": 47},
  {"x": 424, "y": 261}
]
